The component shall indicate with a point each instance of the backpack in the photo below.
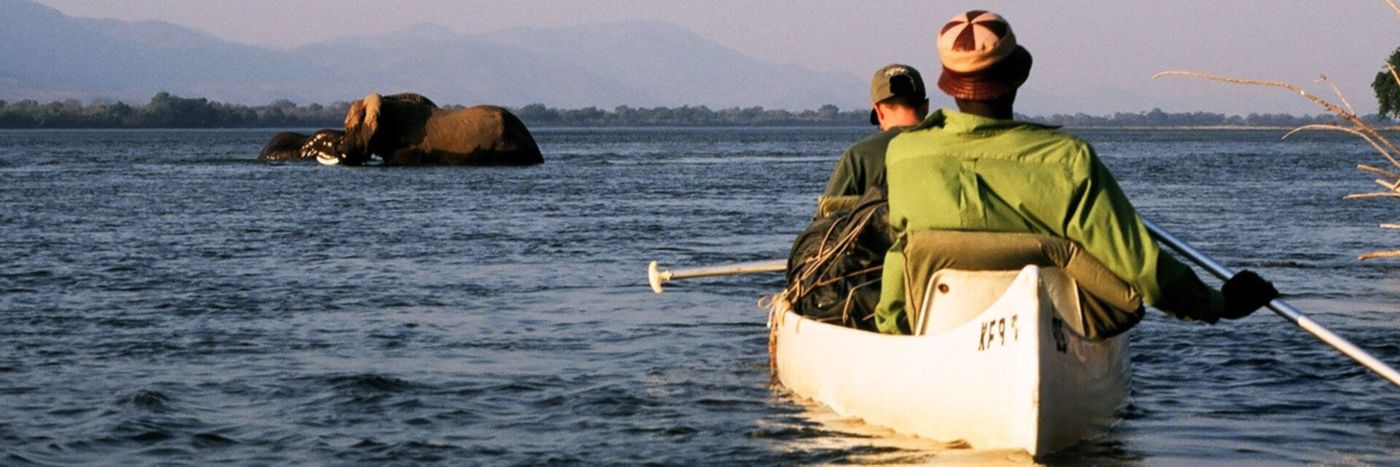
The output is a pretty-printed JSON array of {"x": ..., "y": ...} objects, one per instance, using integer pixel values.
[{"x": 834, "y": 269}]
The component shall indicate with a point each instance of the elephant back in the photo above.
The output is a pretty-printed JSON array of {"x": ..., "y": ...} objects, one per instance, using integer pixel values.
[
  {"x": 411, "y": 98},
  {"x": 481, "y": 135}
]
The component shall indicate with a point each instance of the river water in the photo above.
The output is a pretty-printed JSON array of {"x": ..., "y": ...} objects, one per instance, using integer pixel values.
[{"x": 165, "y": 298}]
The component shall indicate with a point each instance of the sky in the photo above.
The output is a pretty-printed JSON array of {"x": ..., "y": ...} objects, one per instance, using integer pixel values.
[{"x": 1090, "y": 57}]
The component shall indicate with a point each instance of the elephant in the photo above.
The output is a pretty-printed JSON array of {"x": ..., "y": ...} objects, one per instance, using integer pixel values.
[
  {"x": 409, "y": 129},
  {"x": 323, "y": 145}
]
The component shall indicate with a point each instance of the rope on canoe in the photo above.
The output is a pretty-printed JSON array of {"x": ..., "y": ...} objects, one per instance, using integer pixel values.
[
  {"x": 777, "y": 307},
  {"x": 817, "y": 271}
]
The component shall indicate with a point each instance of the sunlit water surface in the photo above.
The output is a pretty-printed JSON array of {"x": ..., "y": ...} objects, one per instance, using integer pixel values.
[{"x": 165, "y": 298}]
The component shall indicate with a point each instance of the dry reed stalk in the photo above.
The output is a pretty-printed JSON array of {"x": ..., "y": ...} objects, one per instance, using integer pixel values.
[
  {"x": 1371, "y": 195},
  {"x": 1384, "y": 145},
  {"x": 1377, "y": 170},
  {"x": 1335, "y": 90}
]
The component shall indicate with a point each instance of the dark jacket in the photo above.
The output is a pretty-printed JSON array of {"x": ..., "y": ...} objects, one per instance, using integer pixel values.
[{"x": 862, "y": 166}]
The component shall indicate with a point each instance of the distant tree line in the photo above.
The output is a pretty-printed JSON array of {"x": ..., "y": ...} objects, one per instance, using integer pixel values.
[
  {"x": 1158, "y": 118},
  {"x": 827, "y": 115},
  {"x": 167, "y": 111}
]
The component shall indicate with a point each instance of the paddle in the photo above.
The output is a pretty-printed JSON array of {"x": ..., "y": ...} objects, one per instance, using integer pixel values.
[
  {"x": 1280, "y": 307},
  {"x": 657, "y": 276}
]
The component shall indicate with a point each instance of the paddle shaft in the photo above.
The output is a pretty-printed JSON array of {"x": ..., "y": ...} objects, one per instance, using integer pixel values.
[
  {"x": 657, "y": 276},
  {"x": 1280, "y": 307}
]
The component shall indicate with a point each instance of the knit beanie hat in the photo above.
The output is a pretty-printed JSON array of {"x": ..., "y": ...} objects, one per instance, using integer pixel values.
[{"x": 981, "y": 60}]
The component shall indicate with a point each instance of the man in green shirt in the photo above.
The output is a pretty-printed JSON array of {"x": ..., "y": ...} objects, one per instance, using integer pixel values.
[
  {"x": 898, "y": 101},
  {"x": 977, "y": 169}
]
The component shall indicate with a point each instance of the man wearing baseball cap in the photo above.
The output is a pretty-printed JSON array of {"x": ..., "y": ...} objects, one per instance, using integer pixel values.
[
  {"x": 844, "y": 288},
  {"x": 898, "y": 100},
  {"x": 977, "y": 169}
]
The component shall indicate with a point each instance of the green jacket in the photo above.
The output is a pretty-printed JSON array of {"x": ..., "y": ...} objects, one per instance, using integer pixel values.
[
  {"x": 957, "y": 171},
  {"x": 862, "y": 166}
]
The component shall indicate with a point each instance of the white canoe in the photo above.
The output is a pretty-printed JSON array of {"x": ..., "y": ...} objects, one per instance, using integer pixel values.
[{"x": 995, "y": 367}]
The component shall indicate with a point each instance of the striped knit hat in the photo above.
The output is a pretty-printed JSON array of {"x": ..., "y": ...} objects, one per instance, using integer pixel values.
[{"x": 981, "y": 59}]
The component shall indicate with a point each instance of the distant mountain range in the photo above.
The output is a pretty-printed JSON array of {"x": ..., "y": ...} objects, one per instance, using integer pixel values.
[{"x": 50, "y": 56}]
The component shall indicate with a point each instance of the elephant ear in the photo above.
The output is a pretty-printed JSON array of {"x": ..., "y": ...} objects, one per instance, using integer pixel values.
[{"x": 360, "y": 124}]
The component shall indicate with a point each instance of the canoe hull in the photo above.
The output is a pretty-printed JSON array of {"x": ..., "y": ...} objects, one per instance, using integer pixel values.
[{"x": 1010, "y": 377}]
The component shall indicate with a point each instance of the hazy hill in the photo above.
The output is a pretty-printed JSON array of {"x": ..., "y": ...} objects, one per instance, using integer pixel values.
[{"x": 48, "y": 56}]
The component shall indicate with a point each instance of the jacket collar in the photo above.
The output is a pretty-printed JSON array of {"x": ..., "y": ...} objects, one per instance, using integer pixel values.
[{"x": 959, "y": 122}]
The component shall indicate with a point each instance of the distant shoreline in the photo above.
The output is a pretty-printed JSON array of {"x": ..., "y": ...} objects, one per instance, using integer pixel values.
[{"x": 166, "y": 111}]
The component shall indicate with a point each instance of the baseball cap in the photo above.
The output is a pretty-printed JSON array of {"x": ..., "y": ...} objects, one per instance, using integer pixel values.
[{"x": 895, "y": 80}]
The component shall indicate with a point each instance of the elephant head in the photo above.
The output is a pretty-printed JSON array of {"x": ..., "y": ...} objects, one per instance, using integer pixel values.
[
  {"x": 324, "y": 146},
  {"x": 409, "y": 129},
  {"x": 379, "y": 124}
]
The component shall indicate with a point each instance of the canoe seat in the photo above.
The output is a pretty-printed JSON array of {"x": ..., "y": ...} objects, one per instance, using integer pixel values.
[{"x": 951, "y": 276}]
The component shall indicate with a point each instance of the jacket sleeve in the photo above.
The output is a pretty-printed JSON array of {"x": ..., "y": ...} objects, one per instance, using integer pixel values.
[{"x": 1109, "y": 228}]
